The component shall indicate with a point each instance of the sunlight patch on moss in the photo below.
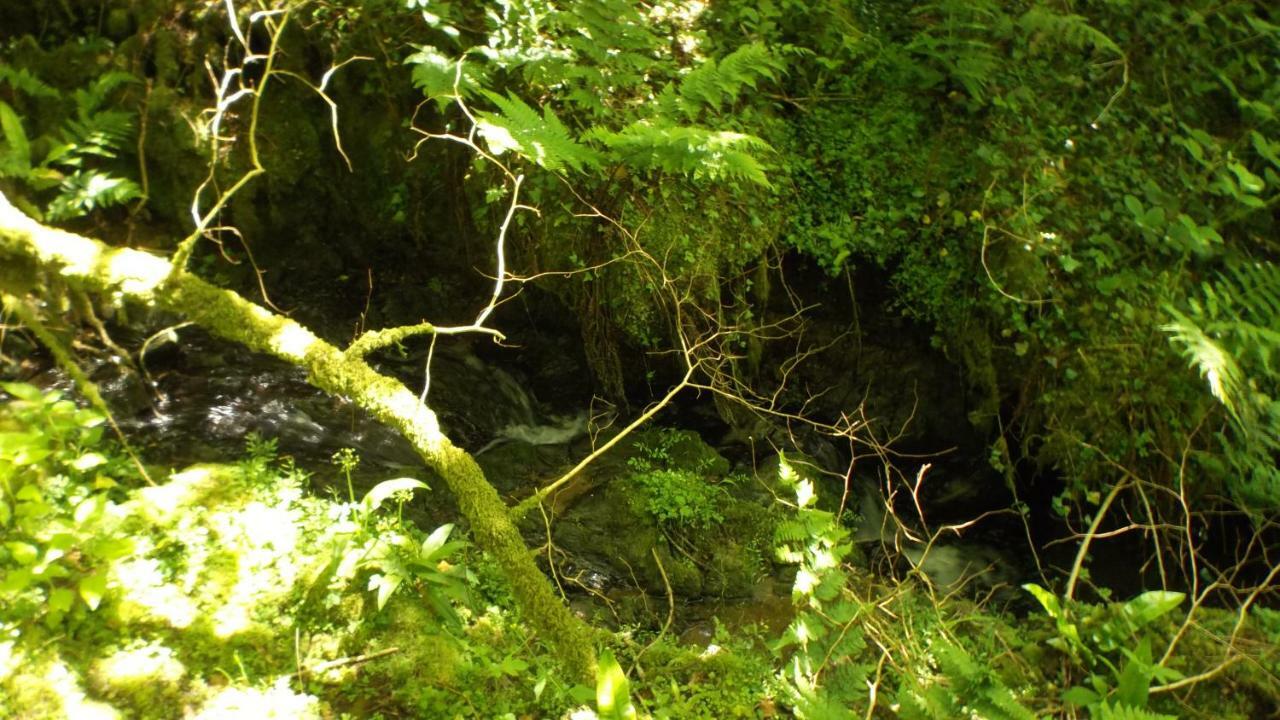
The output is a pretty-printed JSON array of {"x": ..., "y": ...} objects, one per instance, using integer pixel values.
[
  {"x": 163, "y": 503},
  {"x": 147, "y": 595},
  {"x": 148, "y": 678},
  {"x": 277, "y": 701},
  {"x": 151, "y": 663},
  {"x": 291, "y": 341},
  {"x": 65, "y": 684},
  {"x": 139, "y": 273},
  {"x": 261, "y": 540}
]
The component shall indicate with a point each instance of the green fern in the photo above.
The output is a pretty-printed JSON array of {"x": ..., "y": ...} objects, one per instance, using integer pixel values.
[
  {"x": 87, "y": 190},
  {"x": 962, "y": 688},
  {"x": 1229, "y": 334},
  {"x": 1072, "y": 30},
  {"x": 695, "y": 152},
  {"x": 1106, "y": 711},
  {"x": 1233, "y": 325},
  {"x": 712, "y": 85},
  {"x": 22, "y": 80},
  {"x": 1218, "y": 368},
  {"x": 954, "y": 40},
  {"x": 438, "y": 76},
  {"x": 542, "y": 139},
  {"x": 93, "y": 133}
]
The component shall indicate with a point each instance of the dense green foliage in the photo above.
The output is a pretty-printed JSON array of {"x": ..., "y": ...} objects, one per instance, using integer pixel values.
[{"x": 1074, "y": 200}]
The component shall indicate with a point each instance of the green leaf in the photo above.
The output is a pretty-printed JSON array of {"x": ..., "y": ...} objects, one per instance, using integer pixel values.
[
  {"x": 1134, "y": 680},
  {"x": 1047, "y": 600},
  {"x": 111, "y": 548},
  {"x": 23, "y": 553},
  {"x": 1150, "y": 605},
  {"x": 1134, "y": 205},
  {"x": 90, "y": 509},
  {"x": 1081, "y": 696},
  {"x": 385, "y": 489},
  {"x": 1249, "y": 182},
  {"x": 23, "y": 391},
  {"x": 22, "y": 449},
  {"x": 436, "y": 539},
  {"x": 16, "y": 580},
  {"x": 16, "y": 137},
  {"x": 512, "y": 666},
  {"x": 386, "y": 585},
  {"x": 61, "y": 599},
  {"x": 89, "y": 461},
  {"x": 613, "y": 691},
  {"x": 93, "y": 588}
]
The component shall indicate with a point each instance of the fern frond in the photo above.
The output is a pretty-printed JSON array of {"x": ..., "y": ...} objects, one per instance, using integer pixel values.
[
  {"x": 86, "y": 190},
  {"x": 714, "y": 84},
  {"x": 15, "y": 161},
  {"x": 91, "y": 97},
  {"x": 543, "y": 139},
  {"x": 1073, "y": 30},
  {"x": 1217, "y": 366},
  {"x": 436, "y": 75},
  {"x": 696, "y": 152},
  {"x": 102, "y": 133},
  {"x": 1106, "y": 711},
  {"x": 1246, "y": 299},
  {"x": 22, "y": 79}
]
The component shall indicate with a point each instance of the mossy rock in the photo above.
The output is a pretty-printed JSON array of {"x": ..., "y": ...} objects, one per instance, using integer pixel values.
[
  {"x": 615, "y": 527},
  {"x": 148, "y": 679}
]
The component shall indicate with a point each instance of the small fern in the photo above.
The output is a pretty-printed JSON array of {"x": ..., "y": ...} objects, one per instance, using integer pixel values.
[
  {"x": 22, "y": 80},
  {"x": 1106, "y": 711},
  {"x": 94, "y": 133},
  {"x": 963, "y": 688},
  {"x": 825, "y": 676},
  {"x": 954, "y": 40}
]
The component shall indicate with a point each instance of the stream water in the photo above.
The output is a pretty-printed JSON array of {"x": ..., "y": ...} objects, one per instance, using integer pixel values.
[{"x": 200, "y": 398}]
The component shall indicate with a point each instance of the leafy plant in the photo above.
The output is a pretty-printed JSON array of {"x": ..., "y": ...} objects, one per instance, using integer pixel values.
[
  {"x": 1115, "y": 640},
  {"x": 390, "y": 552},
  {"x": 970, "y": 689},
  {"x": 824, "y": 674},
  {"x": 62, "y": 529},
  {"x": 70, "y": 160},
  {"x": 613, "y": 691},
  {"x": 678, "y": 496}
]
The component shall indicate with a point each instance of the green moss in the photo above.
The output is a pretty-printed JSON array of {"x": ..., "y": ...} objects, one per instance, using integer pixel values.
[{"x": 147, "y": 679}]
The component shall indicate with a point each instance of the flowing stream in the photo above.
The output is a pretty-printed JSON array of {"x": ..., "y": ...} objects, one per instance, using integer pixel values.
[{"x": 200, "y": 398}]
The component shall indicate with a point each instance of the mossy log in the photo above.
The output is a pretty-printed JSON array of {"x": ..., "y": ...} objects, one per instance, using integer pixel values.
[{"x": 119, "y": 274}]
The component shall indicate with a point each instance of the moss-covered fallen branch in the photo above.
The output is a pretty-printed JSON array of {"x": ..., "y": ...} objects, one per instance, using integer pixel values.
[{"x": 124, "y": 274}]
